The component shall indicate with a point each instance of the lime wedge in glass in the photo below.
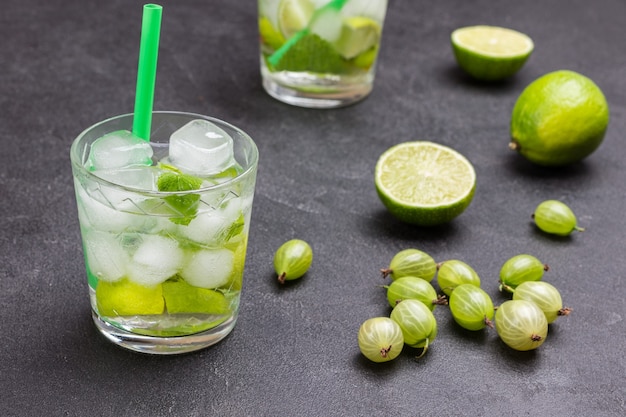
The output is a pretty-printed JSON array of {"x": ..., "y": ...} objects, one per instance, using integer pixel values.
[
  {"x": 424, "y": 183},
  {"x": 358, "y": 34},
  {"x": 269, "y": 35},
  {"x": 490, "y": 53},
  {"x": 294, "y": 15},
  {"x": 125, "y": 298},
  {"x": 181, "y": 297}
]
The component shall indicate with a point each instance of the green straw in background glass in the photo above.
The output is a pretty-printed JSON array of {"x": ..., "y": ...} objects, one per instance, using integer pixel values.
[{"x": 146, "y": 71}]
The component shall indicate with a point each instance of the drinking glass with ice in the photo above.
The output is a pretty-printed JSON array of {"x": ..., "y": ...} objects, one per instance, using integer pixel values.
[{"x": 165, "y": 225}]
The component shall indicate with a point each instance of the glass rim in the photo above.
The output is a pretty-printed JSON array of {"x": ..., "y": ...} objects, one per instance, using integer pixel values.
[{"x": 76, "y": 164}]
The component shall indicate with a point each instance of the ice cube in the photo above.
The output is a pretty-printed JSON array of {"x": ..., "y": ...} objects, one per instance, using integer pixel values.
[
  {"x": 327, "y": 25},
  {"x": 269, "y": 9},
  {"x": 373, "y": 9},
  {"x": 120, "y": 149},
  {"x": 201, "y": 148},
  {"x": 204, "y": 229},
  {"x": 211, "y": 227},
  {"x": 209, "y": 268},
  {"x": 156, "y": 259},
  {"x": 105, "y": 257},
  {"x": 142, "y": 178},
  {"x": 96, "y": 212}
]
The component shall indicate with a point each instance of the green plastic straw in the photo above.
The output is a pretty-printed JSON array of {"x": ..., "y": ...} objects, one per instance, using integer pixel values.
[{"x": 146, "y": 71}]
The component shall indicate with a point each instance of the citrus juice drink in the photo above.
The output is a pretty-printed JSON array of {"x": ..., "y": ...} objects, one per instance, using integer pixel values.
[
  {"x": 164, "y": 227},
  {"x": 320, "y": 53}
]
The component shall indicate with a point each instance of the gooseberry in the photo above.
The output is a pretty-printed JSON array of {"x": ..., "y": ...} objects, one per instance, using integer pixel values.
[
  {"x": 413, "y": 288},
  {"x": 521, "y": 324},
  {"x": 418, "y": 324},
  {"x": 380, "y": 339},
  {"x": 545, "y": 296},
  {"x": 453, "y": 273},
  {"x": 292, "y": 260},
  {"x": 411, "y": 262},
  {"x": 471, "y": 307},
  {"x": 520, "y": 268},
  {"x": 553, "y": 216}
]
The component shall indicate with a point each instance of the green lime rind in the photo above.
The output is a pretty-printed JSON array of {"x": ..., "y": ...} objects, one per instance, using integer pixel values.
[
  {"x": 125, "y": 298},
  {"x": 493, "y": 69},
  {"x": 421, "y": 216},
  {"x": 311, "y": 53},
  {"x": 366, "y": 59},
  {"x": 358, "y": 35},
  {"x": 424, "y": 183},
  {"x": 181, "y": 297},
  {"x": 560, "y": 118},
  {"x": 235, "y": 281},
  {"x": 270, "y": 36},
  {"x": 490, "y": 53}
]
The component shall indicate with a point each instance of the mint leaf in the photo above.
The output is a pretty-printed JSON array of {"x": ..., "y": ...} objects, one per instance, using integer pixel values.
[
  {"x": 233, "y": 230},
  {"x": 311, "y": 53},
  {"x": 186, "y": 205}
]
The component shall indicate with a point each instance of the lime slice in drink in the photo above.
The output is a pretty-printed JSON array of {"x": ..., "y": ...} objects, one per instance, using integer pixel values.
[
  {"x": 236, "y": 277},
  {"x": 294, "y": 15},
  {"x": 489, "y": 52},
  {"x": 269, "y": 35},
  {"x": 125, "y": 298},
  {"x": 424, "y": 183},
  {"x": 181, "y": 297},
  {"x": 358, "y": 34},
  {"x": 366, "y": 59}
]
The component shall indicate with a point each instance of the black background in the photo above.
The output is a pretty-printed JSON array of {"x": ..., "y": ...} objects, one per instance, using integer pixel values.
[{"x": 68, "y": 64}]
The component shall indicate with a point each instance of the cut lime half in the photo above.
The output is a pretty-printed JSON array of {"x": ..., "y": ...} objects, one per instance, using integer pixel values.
[
  {"x": 424, "y": 183},
  {"x": 489, "y": 52}
]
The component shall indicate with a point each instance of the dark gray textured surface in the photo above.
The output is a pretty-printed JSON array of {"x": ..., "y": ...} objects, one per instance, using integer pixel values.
[{"x": 68, "y": 64}]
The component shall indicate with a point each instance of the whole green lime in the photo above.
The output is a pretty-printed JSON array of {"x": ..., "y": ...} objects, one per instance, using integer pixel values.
[{"x": 560, "y": 118}]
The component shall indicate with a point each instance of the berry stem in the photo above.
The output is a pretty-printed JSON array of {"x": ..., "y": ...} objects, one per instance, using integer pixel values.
[
  {"x": 441, "y": 300},
  {"x": 281, "y": 277},
  {"x": 506, "y": 288},
  {"x": 384, "y": 351},
  {"x": 424, "y": 349},
  {"x": 564, "y": 311},
  {"x": 514, "y": 145}
]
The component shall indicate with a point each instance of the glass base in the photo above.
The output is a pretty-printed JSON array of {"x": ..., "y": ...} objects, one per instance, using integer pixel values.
[
  {"x": 164, "y": 345},
  {"x": 321, "y": 99}
]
